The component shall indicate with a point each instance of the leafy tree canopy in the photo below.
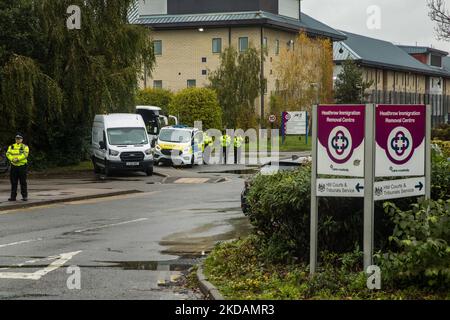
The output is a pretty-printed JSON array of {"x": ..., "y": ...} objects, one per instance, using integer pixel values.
[{"x": 54, "y": 80}]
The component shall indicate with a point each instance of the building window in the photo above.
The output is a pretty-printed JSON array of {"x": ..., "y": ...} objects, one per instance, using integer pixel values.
[
  {"x": 204, "y": 72},
  {"x": 265, "y": 45},
  {"x": 204, "y": 60},
  {"x": 192, "y": 83},
  {"x": 277, "y": 46},
  {"x": 290, "y": 45},
  {"x": 157, "y": 84},
  {"x": 217, "y": 45},
  {"x": 436, "y": 61},
  {"x": 157, "y": 47},
  {"x": 243, "y": 44}
]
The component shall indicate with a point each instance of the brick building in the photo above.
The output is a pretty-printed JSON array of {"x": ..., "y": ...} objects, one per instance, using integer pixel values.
[{"x": 190, "y": 35}]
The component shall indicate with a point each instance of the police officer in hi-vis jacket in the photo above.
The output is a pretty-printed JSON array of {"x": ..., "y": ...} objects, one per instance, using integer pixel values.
[{"x": 18, "y": 156}]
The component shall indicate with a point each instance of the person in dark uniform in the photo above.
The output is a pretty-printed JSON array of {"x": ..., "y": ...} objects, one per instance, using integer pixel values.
[{"x": 17, "y": 154}]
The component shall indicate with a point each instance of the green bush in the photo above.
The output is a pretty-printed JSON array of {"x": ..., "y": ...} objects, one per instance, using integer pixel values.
[
  {"x": 440, "y": 179},
  {"x": 155, "y": 97},
  {"x": 441, "y": 133},
  {"x": 240, "y": 271},
  {"x": 197, "y": 104},
  {"x": 422, "y": 237},
  {"x": 279, "y": 210},
  {"x": 443, "y": 147}
]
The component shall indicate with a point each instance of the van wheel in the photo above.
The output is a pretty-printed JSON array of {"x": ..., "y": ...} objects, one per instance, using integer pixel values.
[{"x": 149, "y": 172}]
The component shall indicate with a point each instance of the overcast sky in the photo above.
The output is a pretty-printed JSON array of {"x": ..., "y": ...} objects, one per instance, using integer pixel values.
[{"x": 402, "y": 21}]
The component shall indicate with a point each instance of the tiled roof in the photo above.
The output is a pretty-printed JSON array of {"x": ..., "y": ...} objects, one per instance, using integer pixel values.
[
  {"x": 306, "y": 23},
  {"x": 422, "y": 50},
  {"x": 381, "y": 54}
]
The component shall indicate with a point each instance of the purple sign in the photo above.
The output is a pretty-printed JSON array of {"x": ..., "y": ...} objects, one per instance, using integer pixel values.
[
  {"x": 400, "y": 140},
  {"x": 340, "y": 132}
]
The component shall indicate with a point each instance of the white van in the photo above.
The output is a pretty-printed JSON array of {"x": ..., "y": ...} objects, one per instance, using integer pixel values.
[
  {"x": 120, "y": 142},
  {"x": 179, "y": 145}
]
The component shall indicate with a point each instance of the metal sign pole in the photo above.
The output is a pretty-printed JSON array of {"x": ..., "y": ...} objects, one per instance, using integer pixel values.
[
  {"x": 369, "y": 172},
  {"x": 428, "y": 152},
  {"x": 307, "y": 129},
  {"x": 314, "y": 202}
]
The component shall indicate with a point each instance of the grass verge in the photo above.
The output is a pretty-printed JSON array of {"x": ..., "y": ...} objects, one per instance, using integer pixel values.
[{"x": 240, "y": 272}]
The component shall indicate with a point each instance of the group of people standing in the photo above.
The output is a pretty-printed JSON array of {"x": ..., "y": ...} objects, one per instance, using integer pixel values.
[{"x": 227, "y": 142}]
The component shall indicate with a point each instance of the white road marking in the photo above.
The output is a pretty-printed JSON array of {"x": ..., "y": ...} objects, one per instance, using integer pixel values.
[
  {"x": 110, "y": 225},
  {"x": 19, "y": 242},
  {"x": 61, "y": 260}
]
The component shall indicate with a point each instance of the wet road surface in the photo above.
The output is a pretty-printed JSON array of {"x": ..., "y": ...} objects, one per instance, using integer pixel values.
[{"x": 124, "y": 247}]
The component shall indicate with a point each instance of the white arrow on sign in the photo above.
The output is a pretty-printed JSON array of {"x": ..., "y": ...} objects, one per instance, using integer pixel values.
[
  {"x": 394, "y": 189},
  {"x": 61, "y": 259},
  {"x": 340, "y": 188}
]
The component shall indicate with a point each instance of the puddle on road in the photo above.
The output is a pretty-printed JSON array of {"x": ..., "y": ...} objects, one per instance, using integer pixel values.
[
  {"x": 248, "y": 171},
  {"x": 180, "y": 264},
  {"x": 195, "y": 242}
]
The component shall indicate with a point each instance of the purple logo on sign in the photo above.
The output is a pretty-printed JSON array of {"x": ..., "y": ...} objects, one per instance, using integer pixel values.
[
  {"x": 400, "y": 143},
  {"x": 400, "y": 130},
  {"x": 340, "y": 143},
  {"x": 341, "y": 130}
]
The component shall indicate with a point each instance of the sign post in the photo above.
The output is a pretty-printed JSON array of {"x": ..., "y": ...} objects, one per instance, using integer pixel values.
[
  {"x": 295, "y": 123},
  {"x": 363, "y": 143},
  {"x": 369, "y": 173},
  {"x": 314, "y": 204},
  {"x": 337, "y": 149}
]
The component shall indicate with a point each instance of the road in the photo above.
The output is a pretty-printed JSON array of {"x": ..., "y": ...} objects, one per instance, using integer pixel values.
[{"x": 122, "y": 247}]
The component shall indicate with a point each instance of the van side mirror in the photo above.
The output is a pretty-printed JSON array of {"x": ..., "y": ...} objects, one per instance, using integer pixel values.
[
  {"x": 102, "y": 145},
  {"x": 153, "y": 144}
]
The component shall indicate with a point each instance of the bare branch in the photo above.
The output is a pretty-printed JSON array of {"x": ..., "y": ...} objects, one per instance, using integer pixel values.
[{"x": 441, "y": 15}]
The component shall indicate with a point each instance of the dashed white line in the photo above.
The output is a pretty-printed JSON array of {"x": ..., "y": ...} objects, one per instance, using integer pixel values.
[
  {"x": 19, "y": 242},
  {"x": 110, "y": 225}
]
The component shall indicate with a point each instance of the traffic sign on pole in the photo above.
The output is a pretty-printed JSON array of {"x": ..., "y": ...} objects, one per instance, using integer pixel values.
[
  {"x": 353, "y": 188},
  {"x": 394, "y": 189},
  {"x": 400, "y": 140},
  {"x": 369, "y": 141},
  {"x": 340, "y": 148}
]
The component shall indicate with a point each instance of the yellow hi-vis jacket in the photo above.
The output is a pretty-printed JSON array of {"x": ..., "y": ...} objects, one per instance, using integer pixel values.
[
  {"x": 225, "y": 141},
  {"x": 19, "y": 152},
  {"x": 238, "y": 141}
]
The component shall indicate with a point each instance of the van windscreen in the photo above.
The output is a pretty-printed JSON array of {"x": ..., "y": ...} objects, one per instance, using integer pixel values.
[
  {"x": 127, "y": 136},
  {"x": 175, "y": 135}
]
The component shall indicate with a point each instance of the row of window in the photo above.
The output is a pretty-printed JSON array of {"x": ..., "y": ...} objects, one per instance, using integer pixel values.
[
  {"x": 158, "y": 84},
  {"x": 243, "y": 45},
  {"x": 192, "y": 83}
]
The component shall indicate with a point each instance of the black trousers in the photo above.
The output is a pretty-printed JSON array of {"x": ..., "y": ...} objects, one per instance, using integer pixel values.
[{"x": 18, "y": 174}]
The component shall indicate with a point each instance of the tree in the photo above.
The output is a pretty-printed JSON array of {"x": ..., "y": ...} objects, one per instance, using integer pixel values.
[
  {"x": 54, "y": 80},
  {"x": 155, "y": 97},
  {"x": 439, "y": 14},
  {"x": 197, "y": 104},
  {"x": 350, "y": 86},
  {"x": 305, "y": 73},
  {"x": 238, "y": 83}
]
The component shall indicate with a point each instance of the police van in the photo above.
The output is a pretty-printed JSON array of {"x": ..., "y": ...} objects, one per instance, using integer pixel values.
[
  {"x": 179, "y": 145},
  {"x": 120, "y": 143}
]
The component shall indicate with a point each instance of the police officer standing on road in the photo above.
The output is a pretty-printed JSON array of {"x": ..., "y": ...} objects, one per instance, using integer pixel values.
[
  {"x": 18, "y": 156},
  {"x": 226, "y": 143},
  {"x": 238, "y": 141}
]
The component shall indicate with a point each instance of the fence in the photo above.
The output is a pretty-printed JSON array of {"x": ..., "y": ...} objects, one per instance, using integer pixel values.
[{"x": 440, "y": 103}]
